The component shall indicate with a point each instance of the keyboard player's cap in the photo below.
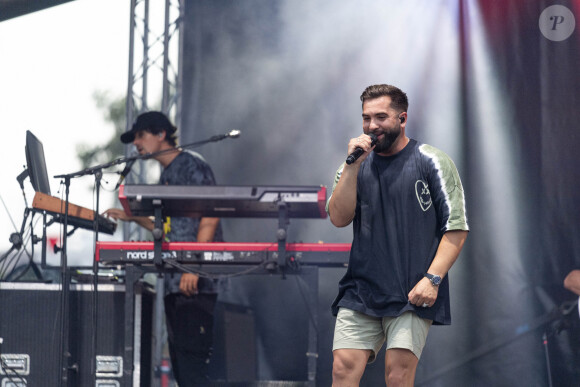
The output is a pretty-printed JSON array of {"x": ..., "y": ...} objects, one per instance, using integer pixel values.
[{"x": 152, "y": 122}]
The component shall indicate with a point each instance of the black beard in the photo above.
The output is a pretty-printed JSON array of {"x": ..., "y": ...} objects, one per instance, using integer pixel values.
[{"x": 388, "y": 140}]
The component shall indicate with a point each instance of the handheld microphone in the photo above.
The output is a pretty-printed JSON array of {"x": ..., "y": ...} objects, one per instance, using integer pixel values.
[
  {"x": 125, "y": 172},
  {"x": 358, "y": 152}
]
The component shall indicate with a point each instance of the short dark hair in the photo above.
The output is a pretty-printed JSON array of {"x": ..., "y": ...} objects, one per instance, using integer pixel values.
[{"x": 399, "y": 100}]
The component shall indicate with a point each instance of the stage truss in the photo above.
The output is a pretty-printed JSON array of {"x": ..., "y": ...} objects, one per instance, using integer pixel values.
[{"x": 154, "y": 80}]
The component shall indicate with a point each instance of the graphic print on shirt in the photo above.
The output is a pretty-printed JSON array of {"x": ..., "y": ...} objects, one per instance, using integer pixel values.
[{"x": 423, "y": 195}]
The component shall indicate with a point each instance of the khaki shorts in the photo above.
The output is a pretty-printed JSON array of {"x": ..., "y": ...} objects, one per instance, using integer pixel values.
[{"x": 355, "y": 330}]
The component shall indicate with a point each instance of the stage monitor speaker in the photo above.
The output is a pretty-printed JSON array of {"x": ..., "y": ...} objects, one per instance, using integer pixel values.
[
  {"x": 235, "y": 356},
  {"x": 30, "y": 328}
]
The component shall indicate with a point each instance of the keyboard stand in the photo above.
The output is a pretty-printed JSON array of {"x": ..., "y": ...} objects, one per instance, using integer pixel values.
[{"x": 133, "y": 273}]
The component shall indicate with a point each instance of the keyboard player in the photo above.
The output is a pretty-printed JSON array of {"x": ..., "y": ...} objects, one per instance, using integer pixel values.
[{"x": 189, "y": 299}]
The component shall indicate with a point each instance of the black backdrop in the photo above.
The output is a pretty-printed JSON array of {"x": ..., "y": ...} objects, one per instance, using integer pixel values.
[{"x": 485, "y": 84}]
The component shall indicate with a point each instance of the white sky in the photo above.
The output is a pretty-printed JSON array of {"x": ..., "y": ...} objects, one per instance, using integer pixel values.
[{"x": 51, "y": 63}]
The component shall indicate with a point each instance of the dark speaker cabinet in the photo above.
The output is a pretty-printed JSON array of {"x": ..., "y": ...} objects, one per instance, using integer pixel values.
[
  {"x": 31, "y": 332},
  {"x": 235, "y": 352}
]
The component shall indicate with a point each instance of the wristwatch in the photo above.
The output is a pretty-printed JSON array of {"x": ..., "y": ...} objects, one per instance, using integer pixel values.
[{"x": 435, "y": 279}]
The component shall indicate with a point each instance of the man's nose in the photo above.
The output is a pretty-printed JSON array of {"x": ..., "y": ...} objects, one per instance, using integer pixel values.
[{"x": 373, "y": 125}]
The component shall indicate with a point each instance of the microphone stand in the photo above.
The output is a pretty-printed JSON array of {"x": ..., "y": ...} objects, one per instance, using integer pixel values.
[
  {"x": 179, "y": 148},
  {"x": 64, "y": 301},
  {"x": 65, "y": 274},
  {"x": 121, "y": 160},
  {"x": 98, "y": 178}
]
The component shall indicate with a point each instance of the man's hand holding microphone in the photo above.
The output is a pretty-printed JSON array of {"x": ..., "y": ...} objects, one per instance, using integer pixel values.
[{"x": 360, "y": 146}]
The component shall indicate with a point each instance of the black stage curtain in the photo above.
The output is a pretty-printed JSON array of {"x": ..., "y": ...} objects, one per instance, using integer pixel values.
[{"x": 494, "y": 83}]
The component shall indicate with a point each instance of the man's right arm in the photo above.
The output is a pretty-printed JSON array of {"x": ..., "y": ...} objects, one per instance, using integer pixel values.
[
  {"x": 119, "y": 214},
  {"x": 342, "y": 204}
]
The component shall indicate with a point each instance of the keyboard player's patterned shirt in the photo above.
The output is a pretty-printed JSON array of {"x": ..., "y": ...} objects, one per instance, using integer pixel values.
[{"x": 188, "y": 168}]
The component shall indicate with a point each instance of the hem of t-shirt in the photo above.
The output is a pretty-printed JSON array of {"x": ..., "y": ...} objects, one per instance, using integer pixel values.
[{"x": 369, "y": 312}]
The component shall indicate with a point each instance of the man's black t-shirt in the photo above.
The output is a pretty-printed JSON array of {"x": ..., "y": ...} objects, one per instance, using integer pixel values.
[{"x": 405, "y": 203}]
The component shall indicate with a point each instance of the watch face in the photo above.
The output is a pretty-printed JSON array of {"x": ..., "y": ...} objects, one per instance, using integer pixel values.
[{"x": 436, "y": 280}]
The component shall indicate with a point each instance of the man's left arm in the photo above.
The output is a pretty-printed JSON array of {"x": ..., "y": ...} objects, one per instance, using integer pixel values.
[
  {"x": 449, "y": 202},
  {"x": 449, "y": 248},
  {"x": 205, "y": 233},
  {"x": 199, "y": 173}
]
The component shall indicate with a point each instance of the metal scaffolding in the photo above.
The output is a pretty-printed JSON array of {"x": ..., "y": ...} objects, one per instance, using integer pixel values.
[{"x": 154, "y": 81}]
